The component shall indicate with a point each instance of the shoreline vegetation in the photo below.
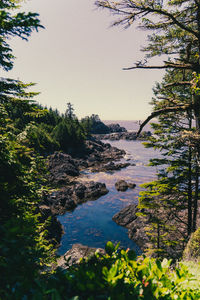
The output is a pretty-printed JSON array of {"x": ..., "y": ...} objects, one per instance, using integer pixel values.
[{"x": 43, "y": 151}]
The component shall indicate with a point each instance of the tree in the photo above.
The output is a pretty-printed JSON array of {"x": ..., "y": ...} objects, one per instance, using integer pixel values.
[
  {"x": 174, "y": 28},
  {"x": 70, "y": 111},
  {"x": 175, "y": 32},
  {"x": 171, "y": 200},
  {"x": 24, "y": 251},
  {"x": 20, "y": 24}
]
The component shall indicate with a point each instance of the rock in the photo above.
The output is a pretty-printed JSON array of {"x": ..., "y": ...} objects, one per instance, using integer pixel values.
[
  {"x": 116, "y": 128},
  {"x": 128, "y": 218},
  {"x": 110, "y": 167},
  {"x": 91, "y": 190},
  {"x": 61, "y": 201},
  {"x": 74, "y": 255},
  {"x": 122, "y": 185},
  {"x": 67, "y": 198},
  {"x": 99, "y": 127},
  {"x": 61, "y": 166},
  {"x": 130, "y": 136},
  {"x": 131, "y": 185}
]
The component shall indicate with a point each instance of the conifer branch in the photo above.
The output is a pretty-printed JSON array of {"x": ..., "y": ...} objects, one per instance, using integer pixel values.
[
  {"x": 163, "y": 111},
  {"x": 178, "y": 83}
]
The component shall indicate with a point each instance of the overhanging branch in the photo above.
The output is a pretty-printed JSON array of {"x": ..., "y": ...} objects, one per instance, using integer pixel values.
[
  {"x": 185, "y": 67},
  {"x": 162, "y": 111}
]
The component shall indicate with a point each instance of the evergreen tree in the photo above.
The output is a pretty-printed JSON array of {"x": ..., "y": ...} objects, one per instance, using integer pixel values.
[
  {"x": 174, "y": 32},
  {"x": 173, "y": 197},
  {"x": 24, "y": 251}
]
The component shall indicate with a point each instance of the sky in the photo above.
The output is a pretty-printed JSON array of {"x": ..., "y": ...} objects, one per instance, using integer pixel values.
[{"x": 79, "y": 57}]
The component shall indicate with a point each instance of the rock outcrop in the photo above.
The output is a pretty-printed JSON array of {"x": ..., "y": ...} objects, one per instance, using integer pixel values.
[
  {"x": 67, "y": 198},
  {"x": 61, "y": 166},
  {"x": 116, "y": 128},
  {"x": 128, "y": 218},
  {"x": 74, "y": 255},
  {"x": 110, "y": 167},
  {"x": 129, "y": 136}
]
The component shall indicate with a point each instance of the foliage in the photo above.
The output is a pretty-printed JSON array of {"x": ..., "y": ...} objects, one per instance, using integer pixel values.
[
  {"x": 94, "y": 125},
  {"x": 171, "y": 200},
  {"x": 20, "y": 24},
  {"x": 24, "y": 251},
  {"x": 118, "y": 274}
]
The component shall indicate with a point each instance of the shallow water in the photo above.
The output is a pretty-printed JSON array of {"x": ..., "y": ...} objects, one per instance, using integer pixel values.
[{"x": 91, "y": 223}]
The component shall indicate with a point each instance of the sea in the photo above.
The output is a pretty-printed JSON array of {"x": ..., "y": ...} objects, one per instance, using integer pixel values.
[{"x": 91, "y": 222}]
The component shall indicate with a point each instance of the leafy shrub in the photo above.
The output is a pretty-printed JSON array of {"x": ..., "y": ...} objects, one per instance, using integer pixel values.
[{"x": 119, "y": 275}]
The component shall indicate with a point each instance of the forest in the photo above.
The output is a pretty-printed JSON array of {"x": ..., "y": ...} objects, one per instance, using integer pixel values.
[{"x": 29, "y": 133}]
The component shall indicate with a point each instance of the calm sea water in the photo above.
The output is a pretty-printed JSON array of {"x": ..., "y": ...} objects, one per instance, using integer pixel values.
[{"x": 91, "y": 223}]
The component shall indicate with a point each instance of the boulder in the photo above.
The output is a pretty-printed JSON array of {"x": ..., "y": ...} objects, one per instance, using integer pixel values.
[
  {"x": 122, "y": 185},
  {"x": 116, "y": 128},
  {"x": 74, "y": 255},
  {"x": 88, "y": 191},
  {"x": 131, "y": 185}
]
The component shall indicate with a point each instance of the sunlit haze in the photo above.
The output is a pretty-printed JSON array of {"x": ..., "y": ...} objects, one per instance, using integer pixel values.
[{"x": 78, "y": 58}]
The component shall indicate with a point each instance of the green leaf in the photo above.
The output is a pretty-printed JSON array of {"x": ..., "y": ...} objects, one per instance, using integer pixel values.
[{"x": 110, "y": 248}]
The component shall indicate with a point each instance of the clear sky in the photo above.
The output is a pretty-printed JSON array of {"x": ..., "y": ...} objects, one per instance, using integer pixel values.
[{"x": 78, "y": 58}]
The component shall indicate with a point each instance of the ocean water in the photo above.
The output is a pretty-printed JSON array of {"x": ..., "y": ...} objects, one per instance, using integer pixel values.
[{"x": 91, "y": 223}]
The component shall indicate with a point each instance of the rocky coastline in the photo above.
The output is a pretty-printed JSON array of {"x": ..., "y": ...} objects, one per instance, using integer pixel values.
[
  {"x": 127, "y": 135},
  {"x": 67, "y": 190}
]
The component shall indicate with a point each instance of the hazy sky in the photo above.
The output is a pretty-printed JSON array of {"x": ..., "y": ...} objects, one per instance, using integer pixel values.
[{"x": 78, "y": 58}]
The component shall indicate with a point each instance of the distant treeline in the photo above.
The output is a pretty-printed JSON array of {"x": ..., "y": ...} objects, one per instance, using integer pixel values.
[{"x": 49, "y": 130}]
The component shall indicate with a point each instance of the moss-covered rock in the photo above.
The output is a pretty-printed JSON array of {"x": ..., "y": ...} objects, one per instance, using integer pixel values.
[{"x": 192, "y": 250}]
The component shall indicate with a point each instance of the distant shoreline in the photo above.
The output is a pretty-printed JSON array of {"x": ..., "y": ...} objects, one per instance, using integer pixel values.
[{"x": 130, "y": 125}]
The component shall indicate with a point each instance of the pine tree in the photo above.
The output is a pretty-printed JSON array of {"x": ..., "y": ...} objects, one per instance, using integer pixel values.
[
  {"x": 174, "y": 32},
  {"x": 173, "y": 197}
]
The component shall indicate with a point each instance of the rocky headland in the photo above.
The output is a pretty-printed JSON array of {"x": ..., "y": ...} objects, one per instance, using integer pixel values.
[{"x": 129, "y": 136}]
